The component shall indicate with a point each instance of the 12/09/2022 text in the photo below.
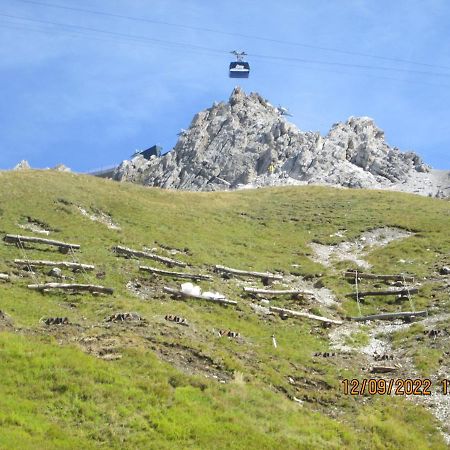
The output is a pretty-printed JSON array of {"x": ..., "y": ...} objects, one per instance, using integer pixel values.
[{"x": 395, "y": 386}]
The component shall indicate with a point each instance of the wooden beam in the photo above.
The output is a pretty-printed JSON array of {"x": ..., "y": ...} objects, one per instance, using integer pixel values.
[
  {"x": 175, "y": 274},
  {"x": 391, "y": 316},
  {"x": 400, "y": 292},
  {"x": 292, "y": 313},
  {"x": 4, "y": 277},
  {"x": 371, "y": 276},
  {"x": 72, "y": 287},
  {"x": 179, "y": 293},
  {"x": 17, "y": 239},
  {"x": 383, "y": 369},
  {"x": 266, "y": 275},
  {"x": 124, "y": 251},
  {"x": 63, "y": 264},
  {"x": 251, "y": 290}
]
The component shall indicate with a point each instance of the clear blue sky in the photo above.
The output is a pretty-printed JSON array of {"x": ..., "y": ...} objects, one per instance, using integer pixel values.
[{"x": 88, "y": 99}]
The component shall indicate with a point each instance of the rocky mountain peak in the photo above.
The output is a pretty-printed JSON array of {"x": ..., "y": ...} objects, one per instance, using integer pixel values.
[
  {"x": 237, "y": 95},
  {"x": 22, "y": 165},
  {"x": 247, "y": 142}
]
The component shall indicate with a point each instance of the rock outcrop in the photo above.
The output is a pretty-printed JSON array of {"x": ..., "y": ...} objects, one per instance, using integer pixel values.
[
  {"x": 23, "y": 165},
  {"x": 248, "y": 143},
  {"x": 61, "y": 168}
]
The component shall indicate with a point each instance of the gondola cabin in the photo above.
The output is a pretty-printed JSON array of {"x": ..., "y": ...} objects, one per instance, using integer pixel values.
[{"x": 239, "y": 68}]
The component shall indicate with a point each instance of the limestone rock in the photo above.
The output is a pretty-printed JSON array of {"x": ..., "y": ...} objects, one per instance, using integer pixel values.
[
  {"x": 61, "y": 168},
  {"x": 247, "y": 143},
  {"x": 23, "y": 165}
]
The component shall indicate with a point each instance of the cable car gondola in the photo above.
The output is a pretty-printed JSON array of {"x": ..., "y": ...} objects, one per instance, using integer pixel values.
[{"x": 239, "y": 68}]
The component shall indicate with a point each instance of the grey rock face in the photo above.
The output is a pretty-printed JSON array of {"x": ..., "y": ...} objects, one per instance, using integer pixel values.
[
  {"x": 61, "y": 168},
  {"x": 247, "y": 143},
  {"x": 23, "y": 165}
]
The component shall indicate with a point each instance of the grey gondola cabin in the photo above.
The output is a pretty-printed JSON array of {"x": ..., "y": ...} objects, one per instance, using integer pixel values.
[{"x": 239, "y": 68}]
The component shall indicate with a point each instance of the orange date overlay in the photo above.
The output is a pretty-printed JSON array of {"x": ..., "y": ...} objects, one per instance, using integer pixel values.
[{"x": 397, "y": 386}]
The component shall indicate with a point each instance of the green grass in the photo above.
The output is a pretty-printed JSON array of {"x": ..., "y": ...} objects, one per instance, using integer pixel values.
[
  {"x": 53, "y": 395},
  {"x": 357, "y": 339},
  {"x": 427, "y": 352}
]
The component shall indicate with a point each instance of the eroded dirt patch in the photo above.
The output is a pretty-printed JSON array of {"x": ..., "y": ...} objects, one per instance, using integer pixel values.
[
  {"x": 143, "y": 289},
  {"x": 320, "y": 294},
  {"x": 6, "y": 323},
  {"x": 379, "y": 344},
  {"x": 35, "y": 225},
  {"x": 94, "y": 214},
  {"x": 97, "y": 215},
  {"x": 173, "y": 250},
  {"x": 190, "y": 360},
  {"x": 357, "y": 249},
  {"x": 101, "y": 346},
  {"x": 316, "y": 293}
]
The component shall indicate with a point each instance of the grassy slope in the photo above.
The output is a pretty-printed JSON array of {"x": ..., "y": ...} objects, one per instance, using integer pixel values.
[{"x": 55, "y": 396}]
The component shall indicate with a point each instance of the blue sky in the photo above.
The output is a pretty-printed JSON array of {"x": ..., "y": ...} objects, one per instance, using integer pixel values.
[{"x": 88, "y": 99}]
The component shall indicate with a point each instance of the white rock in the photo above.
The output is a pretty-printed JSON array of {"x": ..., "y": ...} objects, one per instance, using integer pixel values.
[{"x": 23, "y": 165}]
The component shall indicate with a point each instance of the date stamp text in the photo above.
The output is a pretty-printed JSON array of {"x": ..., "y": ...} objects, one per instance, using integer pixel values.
[{"x": 397, "y": 386}]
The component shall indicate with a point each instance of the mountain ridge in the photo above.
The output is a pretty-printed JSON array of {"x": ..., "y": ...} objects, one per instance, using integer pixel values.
[{"x": 247, "y": 142}]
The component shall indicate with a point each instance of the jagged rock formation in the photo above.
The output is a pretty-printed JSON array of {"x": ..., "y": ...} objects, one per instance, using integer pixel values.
[
  {"x": 23, "y": 165},
  {"x": 61, "y": 168},
  {"x": 247, "y": 143}
]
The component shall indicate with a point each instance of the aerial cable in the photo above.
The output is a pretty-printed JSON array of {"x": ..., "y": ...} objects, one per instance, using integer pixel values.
[
  {"x": 80, "y": 33},
  {"x": 115, "y": 33},
  {"x": 134, "y": 41},
  {"x": 228, "y": 33},
  {"x": 379, "y": 77},
  {"x": 185, "y": 46},
  {"x": 357, "y": 66}
]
